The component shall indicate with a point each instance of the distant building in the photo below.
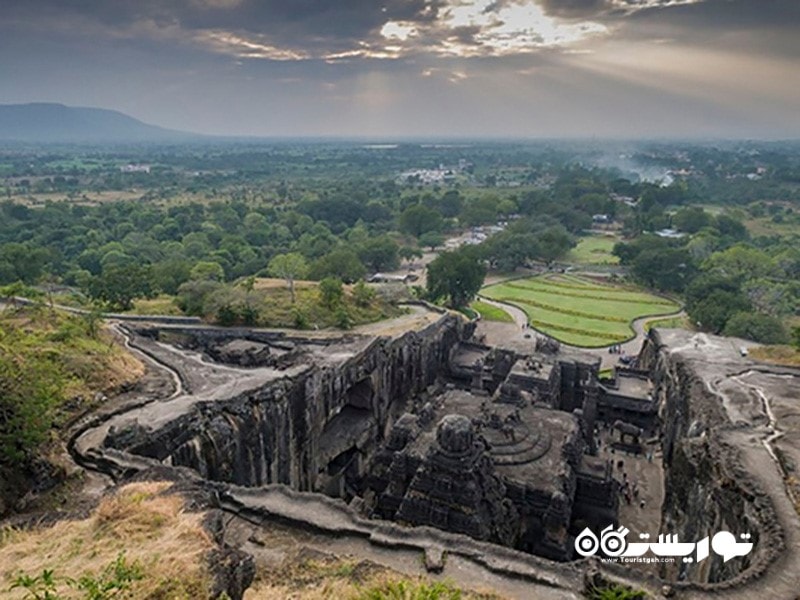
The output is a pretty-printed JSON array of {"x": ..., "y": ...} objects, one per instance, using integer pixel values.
[
  {"x": 135, "y": 168},
  {"x": 627, "y": 200},
  {"x": 601, "y": 219},
  {"x": 442, "y": 174},
  {"x": 670, "y": 233},
  {"x": 387, "y": 278}
]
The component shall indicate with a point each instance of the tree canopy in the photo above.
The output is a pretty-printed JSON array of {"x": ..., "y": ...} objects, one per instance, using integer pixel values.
[
  {"x": 456, "y": 276},
  {"x": 291, "y": 266}
]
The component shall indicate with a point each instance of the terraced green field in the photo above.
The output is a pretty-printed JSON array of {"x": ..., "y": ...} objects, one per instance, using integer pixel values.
[
  {"x": 579, "y": 311},
  {"x": 490, "y": 312}
]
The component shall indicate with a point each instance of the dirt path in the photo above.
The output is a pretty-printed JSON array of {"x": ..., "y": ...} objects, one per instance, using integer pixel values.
[{"x": 520, "y": 318}]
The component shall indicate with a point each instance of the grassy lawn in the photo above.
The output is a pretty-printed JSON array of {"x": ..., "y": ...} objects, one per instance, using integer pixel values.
[
  {"x": 491, "y": 313},
  {"x": 579, "y": 311},
  {"x": 594, "y": 250}
]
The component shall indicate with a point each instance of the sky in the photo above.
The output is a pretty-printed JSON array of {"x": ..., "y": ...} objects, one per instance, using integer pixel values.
[{"x": 405, "y": 68}]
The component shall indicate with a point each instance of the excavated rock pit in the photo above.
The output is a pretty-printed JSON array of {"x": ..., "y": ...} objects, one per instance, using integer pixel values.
[{"x": 314, "y": 414}]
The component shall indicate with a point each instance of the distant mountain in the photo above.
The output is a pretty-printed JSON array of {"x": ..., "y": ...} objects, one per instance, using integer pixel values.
[{"x": 44, "y": 122}]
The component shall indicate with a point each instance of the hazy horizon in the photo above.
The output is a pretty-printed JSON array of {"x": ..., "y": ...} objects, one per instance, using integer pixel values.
[{"x": 520, "y": 70}]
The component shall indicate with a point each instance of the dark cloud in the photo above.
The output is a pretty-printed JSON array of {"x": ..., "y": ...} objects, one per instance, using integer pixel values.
[
  {"x": 576, "y": 8},
  {"x": 721, "y": 15},
  {"x": 465, "y": 34},
  {"x": 692, "y": 14},
  {"x": 769, "y": 28},
  {"x": 643, "y": 67},
  {"x": 312, "y": 24}
]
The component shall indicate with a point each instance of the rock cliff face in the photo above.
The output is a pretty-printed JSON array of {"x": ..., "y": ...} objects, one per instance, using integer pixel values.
[
  {"x": 355, "y": 417},
  {"x": 707, "y": 486},
  {"x": 313, "y": 431}
]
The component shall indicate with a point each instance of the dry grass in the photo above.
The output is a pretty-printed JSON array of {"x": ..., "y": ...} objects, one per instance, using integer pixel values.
[
  {"x": 268, "y": 283},
  {"x": 779, "y": 355},
  {"x": 160, "y": 305},
  {"x": 150, "y": 528},
  {"x": 105, "y": 367},
  {"x": 323, "y": 579}
]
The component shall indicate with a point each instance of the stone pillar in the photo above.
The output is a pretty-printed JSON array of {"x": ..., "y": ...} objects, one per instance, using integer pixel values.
[
  {"x": 477, "y": 377},
  {"x": 590, "y": 413}
]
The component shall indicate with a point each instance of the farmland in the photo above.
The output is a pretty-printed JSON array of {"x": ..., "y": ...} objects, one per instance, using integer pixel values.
[{"x": 579, "y": 311}]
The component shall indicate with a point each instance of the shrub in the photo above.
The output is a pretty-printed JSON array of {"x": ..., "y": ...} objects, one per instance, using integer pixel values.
[
  {"x": 408, "y": 590},
  {"x": 300, "y": 319},
  {"x": 615, "y": 592},
  {"x": 343, "y": 319},
  {"x": 362, "y": 294},
  {"x": 331, "y": 291}
]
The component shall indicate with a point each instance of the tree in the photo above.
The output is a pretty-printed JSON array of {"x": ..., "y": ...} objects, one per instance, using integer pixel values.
[
  {"x": 670, "y": 269},
  {"x": 207, "y": 270},
  {"x": 380, "y": 253},
  {"x": 741, "y": 262},
  {"x": 776, "y": 298},
  {"x": 479, "y": 211},
  {"x": 331, "y": 291},
  {"x": 507, "y": 207},
  {"x": 290, "y": 267},
  {"x": 419, "y": 219},
  {"x": 788, "y": 262},
  {"x": 705, "y": 284},
  {"x": 730, "y": 227},
  {"x": 342, "y": 263},
  {"x": 193, "y": 295},
  {"x": 408, "y": 253},
  {"x": 507, "y": 250},
  {"x": 627, "y": 253},
  {"x": 758, "y": 327},
  {"x": 168, "y": 275},
  {"x": 431, "y": 240},
  {"x": 713, "y": 312},
  {"x": 450, "y": 204},
  {"x": 457, "y": 276},
  {"x": 119, "y": 285},
  {"x": 21, "y": 262},
  {"x": 691, "y": 219},
  {"x": 554, "y": 242}
]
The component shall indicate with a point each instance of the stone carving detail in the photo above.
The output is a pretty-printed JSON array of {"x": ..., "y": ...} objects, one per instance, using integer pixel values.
[{"x": 456, "y": 488}]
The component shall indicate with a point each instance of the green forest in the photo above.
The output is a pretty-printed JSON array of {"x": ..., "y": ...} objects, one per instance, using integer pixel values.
[{"x": 204, "y": 220}]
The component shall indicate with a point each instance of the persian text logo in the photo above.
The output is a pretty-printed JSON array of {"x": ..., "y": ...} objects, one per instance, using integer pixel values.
[{"x": 613, "y": 544}]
